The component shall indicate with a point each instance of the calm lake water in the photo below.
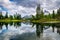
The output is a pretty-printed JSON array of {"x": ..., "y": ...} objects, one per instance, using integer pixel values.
[{"x": 29, "y": 31}]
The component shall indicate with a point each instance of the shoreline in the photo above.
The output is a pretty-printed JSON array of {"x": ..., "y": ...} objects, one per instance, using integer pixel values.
[
  {"x": 34, "y": 21},
  {"x": 47, "y": 22},
  {"x": 11, "y": 20}
]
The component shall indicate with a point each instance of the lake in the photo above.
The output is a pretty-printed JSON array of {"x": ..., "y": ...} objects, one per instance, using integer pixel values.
[{"x": 29, "y": 31}]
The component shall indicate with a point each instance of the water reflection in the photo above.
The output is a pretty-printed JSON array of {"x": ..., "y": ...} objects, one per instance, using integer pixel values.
[
  {"x": 29, "y": 31},
  {"x": 40, "y": 28},
  {"x": 1, "y": 24},
  {"x": 58, "y": 28},
  {"x": 16, "y": 24}
]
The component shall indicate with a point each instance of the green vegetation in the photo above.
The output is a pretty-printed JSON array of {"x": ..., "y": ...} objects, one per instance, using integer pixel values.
[
  {"x": 11, "y": 18},
  {"x": 40, "y": 17},
  {"x": 50, "y": 18}
]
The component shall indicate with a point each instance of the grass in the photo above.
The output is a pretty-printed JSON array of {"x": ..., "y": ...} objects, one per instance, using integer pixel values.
[
  {"x": 46, "y": 21},
  {"x": 8, "y": 20},
  {"x": 35, "y": 21}
]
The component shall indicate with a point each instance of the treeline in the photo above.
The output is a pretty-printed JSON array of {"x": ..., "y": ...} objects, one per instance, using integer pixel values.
[
  {"x": 11, "y": 17},
  {"x": 51, "y": 16}
]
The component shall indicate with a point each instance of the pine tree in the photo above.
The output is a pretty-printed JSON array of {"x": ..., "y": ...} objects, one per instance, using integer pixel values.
[
  {"x": 38, "y": 12},
  {"x": 1, "y": 16},
  {"x": 53, "y": 15},
  {"x": 58, "y": 14},
  {"x": 11, "y": 17},
  {"x": 42, "y": 14},
  {"x": 6, "y": 15}
]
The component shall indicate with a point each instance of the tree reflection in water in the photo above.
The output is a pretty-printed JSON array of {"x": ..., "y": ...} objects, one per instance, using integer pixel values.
[
  {"x": 1, "y": 24},
  {"x": 16, "y": 24},
  {"x": 39, "y": 28},
  {"x": 58, "y": 28}
]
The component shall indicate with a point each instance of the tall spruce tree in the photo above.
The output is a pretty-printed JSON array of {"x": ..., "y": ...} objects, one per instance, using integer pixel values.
[
  {"x": 1, "y": 16},
  {"x": 58, "y": 13},
  {"x": 42, "y": 14},
  {"x": 53, "y": 15},
  {"x": 6, "y": 15},
  {"x": 38, "y": 12}
]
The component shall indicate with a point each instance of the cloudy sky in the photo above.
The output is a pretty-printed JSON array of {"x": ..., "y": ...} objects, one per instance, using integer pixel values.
[{"x": 27, "y": 7}]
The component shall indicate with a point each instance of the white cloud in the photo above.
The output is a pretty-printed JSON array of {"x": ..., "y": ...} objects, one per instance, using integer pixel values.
[
  {"x": 13, "y": 8},
  {"x": 0, "y": 9},
  {"x": 27, "y": 7},
  {"x": 4, "y": 12}
]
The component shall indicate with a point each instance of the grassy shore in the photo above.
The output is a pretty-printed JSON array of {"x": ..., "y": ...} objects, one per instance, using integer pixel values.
[
  {"x": 46, "y": 21},
  {"x": 34, "y": 21},
  {"x": 7, "y": 20}
]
